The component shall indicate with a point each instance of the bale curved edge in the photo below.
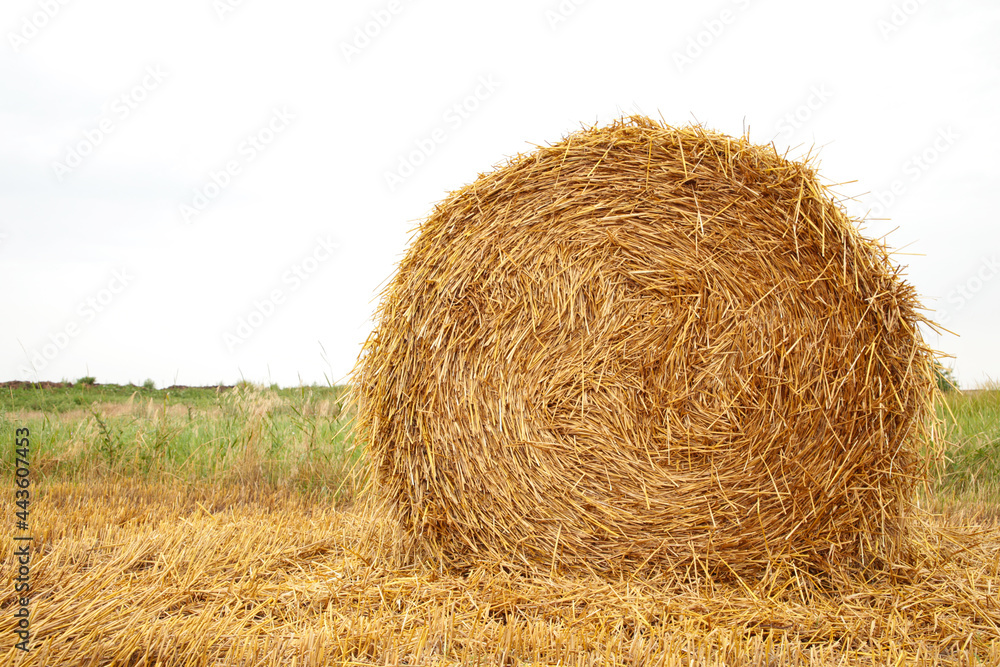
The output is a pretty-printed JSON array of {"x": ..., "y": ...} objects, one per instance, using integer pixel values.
[{"x": 645, "y": 348}]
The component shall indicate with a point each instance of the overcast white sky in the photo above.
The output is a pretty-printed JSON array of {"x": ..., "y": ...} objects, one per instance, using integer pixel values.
[{"x": 207, "y": 190}]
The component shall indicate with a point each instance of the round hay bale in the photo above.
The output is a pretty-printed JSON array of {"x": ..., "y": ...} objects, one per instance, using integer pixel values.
[{"x": 645, "y": 347}]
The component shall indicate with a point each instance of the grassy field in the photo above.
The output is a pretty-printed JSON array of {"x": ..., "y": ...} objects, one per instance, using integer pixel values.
[
  {"x": 972, "y": 424},
  {"x": 221, "y": 526},
  {"x": 272, "y": 438}
]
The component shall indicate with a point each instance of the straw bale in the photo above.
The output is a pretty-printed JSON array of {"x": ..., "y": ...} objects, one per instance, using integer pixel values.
[{"x": 646, "y": 348}]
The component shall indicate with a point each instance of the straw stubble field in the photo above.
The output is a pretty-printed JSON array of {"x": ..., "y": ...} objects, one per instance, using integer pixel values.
[{"x": 247, "y": 566}]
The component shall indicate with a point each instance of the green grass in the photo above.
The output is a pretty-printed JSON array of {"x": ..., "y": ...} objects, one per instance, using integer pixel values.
[
  {"x": 297, "y": 438},
  {"x": 972, "y": 429},
  {"x": 81, "y": 395}
]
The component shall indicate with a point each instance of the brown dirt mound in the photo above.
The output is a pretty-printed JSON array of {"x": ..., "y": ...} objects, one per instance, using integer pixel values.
[
  {"x": 24, "y": 384},
  {"x": 649, "y": 348}
]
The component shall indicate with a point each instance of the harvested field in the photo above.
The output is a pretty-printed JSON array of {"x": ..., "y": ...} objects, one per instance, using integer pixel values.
[{"x": 154, "y": 574}]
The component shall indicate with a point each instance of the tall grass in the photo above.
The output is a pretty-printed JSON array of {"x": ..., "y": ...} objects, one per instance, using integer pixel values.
[
  {"x": 972, "y": 429},
  {"x": 296, "y": 438}
]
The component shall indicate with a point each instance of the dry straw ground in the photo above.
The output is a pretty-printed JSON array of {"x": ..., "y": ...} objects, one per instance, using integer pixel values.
[
  {"x": 134, "y": 574},
  {"x": 647, "y": 349}
]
